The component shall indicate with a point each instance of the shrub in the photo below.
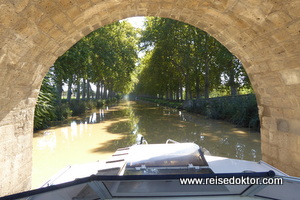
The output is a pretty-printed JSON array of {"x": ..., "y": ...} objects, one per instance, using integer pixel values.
[
  {"x": 240, "y": 110},
  {"x": 45, "y": 107},
  {"x": 100, "y": 103},
  {"x": 63, "y": 111},
  {"x": 77, "y": 107}
]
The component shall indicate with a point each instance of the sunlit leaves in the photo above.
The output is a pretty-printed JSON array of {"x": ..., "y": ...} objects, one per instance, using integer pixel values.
[
  {"x": 114, "y": 55},
  {"x": 107, "y": 55},
  {"x": 45, "y": 110},
  {"x": 186, "y": 58}
]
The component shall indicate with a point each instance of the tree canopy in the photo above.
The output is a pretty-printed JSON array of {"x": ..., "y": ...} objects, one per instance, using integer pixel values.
[
  {"x": 184, "y": 62},
  {"x": 107, "y": 58},
  {"x": 180, "y": 62}
]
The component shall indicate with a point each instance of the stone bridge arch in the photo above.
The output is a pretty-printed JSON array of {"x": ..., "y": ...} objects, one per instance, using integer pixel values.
[{"x": 264, "y": 34}]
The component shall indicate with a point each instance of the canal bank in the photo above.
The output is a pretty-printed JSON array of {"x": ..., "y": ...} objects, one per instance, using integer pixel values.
[{"x": 240, "y": 110}]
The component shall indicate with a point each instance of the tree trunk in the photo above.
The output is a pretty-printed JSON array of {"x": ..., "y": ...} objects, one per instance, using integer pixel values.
[
  {"x": 206, "y": 87},
  {"x": 98, "y": 85},
  {"x": 168, "y": 94},
  {"x": 69, "y": 95},
  {"x": 112, "y": 94},
  {"x": 197, "y": 87},
  {"x": 78, "y": 90},
  {"x": 181, "y": 92},
  {"x": 187, "y": 88},
  {"x": 110, "y": 91},
  {"x": 190, "y": 94},
  {"x": 101, "y": 91},
  {"x": 104, "y": 92},
  {"x": 232, "y": 84},
  {"x": 83, "y": 89},
  {"x": 88, "y": 87},
  {"x": 233, "y": 90},
  {"x": 59, "y": 89}
]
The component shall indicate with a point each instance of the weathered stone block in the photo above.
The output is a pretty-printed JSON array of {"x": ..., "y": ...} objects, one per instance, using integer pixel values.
[
  {"x": 46, "y": 24},
  {"x": 60, "y": 19},
  {"x": 294, "y": 28},
  {"x": 291, "y": 76},
  {"x": 49, "y": 7},
  {"x": 32, "y": 13},
  {"x": 280, "y": 35},
  {"x": 282, "y": 125},
  {"x": 66, "y": 4},
  {"x": 56, "y": 34},
  {"x": 293, "y": 9},
  {"x": 7, "y": 134},
  {"x": 290, "y": 47},
  {"x": 8, "y": 16},
  {"x": 86, "y": 5},
  {"x": 41, "y": 39},
  {"x": 279, "y": 18}
]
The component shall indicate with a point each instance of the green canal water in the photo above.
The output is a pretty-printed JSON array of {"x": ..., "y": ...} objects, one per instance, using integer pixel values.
[{"x": 98, "y": 134}]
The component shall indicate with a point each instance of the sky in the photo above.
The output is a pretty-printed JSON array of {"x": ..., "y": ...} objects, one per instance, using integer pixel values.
[{"x": 136, "y": 22}]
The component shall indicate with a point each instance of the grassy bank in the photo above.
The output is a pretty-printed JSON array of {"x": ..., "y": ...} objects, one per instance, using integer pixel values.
[{"x": 240, "y": 110}]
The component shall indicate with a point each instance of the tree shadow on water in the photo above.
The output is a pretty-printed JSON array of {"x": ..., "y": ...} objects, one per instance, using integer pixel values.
[
  {"x": 113, "y": 145},
  {"x": 125, "y": 129}
]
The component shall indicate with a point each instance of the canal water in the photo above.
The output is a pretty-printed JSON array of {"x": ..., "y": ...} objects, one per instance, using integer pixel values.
[{"x": 97, "y": 135}]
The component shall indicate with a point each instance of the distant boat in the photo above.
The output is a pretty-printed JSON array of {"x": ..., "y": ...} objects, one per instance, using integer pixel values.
[{"x": 164, "y": 171}]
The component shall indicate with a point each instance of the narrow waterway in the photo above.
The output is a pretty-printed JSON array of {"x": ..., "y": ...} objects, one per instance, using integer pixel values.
[{"x": 97, "y": 135}]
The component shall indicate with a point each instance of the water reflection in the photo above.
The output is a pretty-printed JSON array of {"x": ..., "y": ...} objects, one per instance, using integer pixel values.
[
  {"x": 98, "y": 135},
  {"x": 157, "y": 124},
  {"x": 47, "y": 142},
  {"x": 220, "y": 138}
]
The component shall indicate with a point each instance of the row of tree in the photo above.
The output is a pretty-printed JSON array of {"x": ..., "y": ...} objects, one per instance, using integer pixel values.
[
  {"x": 184, "y": 62},
  {"x": 105, "y": 58},
  {"x": 180, "y": 62}
]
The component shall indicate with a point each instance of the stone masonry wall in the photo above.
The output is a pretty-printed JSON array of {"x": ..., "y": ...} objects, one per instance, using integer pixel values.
[
  {"x": 16, "y": 149},
  {"x": 263, "y": 34}
]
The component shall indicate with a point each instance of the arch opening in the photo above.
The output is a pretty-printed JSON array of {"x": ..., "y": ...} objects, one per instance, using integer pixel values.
[{"x": 262, "y": 34}]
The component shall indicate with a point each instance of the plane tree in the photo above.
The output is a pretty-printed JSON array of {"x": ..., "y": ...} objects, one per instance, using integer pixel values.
[
  {"x": 106, "y": 57},
  {"x": 186, "y": 62}
]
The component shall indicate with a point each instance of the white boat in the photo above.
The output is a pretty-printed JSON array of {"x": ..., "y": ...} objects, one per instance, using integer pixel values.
[{"x": 165, "y": 171}]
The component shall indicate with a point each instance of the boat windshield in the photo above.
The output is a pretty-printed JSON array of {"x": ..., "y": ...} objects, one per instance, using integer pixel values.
[
  {"x": 162, "y": 155},
  {"x": 179, "y": 158}
]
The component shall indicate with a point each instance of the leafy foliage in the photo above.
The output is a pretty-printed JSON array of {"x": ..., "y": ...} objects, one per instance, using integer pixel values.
[
  {"x": 45, "y": 107},
  {"x": 240, "y": 110},
  {"x": 182, "y": 57},
  {"x": 107, "y": 57}
]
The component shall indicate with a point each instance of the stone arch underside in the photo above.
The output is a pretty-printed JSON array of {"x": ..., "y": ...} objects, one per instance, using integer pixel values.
[{"x": 263, "y": 34}]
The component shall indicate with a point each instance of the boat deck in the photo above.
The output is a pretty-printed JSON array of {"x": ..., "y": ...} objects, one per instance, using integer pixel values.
[{"x": 146, "y": 171}]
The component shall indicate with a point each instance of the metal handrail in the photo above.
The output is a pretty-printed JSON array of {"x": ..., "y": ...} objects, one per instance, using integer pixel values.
[
  {"x": 170, "y": 140},
  {"x": 143, "y": 141}
]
